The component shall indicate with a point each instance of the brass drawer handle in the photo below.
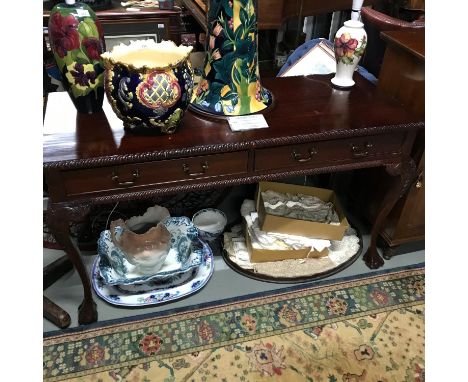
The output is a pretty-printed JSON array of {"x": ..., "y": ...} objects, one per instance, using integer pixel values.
[
  {"x": 135, "y": 176},
  {"x": 298, "y": 157},
  {"x": 363, "y": 151},
  {"x": 186, "y": 169}
]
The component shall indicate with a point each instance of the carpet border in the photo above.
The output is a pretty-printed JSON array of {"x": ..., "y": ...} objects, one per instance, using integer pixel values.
[
  {"x": 229, "y": 342},
  {"x": 223, "y": 303}
]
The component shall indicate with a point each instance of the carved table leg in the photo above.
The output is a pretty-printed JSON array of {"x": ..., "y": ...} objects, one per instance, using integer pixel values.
[
  {"x": 59, "y": 217},
  {"x": 406, "y": 170}
]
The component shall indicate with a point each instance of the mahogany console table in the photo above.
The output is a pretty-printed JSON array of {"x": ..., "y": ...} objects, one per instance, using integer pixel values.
[{"x": 313, "y": 128}]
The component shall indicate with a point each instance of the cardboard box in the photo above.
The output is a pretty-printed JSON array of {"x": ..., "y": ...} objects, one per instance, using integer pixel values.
[
  {"x": 258, "y": 255},
  {"x": 272, "y": 223}
]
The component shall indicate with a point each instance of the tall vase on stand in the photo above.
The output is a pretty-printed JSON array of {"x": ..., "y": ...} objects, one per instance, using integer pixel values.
[
  {"x": 230, "y": 83},
  {"x": 349, "y": 45},
  {"x": 77, "y": 41}
]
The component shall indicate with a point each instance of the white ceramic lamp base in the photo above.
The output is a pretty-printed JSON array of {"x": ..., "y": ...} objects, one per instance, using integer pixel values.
[
  {"x": 349, "y": 45},
  {"x": 342, "y": 82}
]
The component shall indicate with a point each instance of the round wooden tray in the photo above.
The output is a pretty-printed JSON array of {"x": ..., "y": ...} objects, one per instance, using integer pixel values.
[{"x": 292, "y": 280}]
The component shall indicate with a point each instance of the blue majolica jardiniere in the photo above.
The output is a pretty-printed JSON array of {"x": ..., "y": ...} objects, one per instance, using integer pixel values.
[{"x": 149, "y": 85}]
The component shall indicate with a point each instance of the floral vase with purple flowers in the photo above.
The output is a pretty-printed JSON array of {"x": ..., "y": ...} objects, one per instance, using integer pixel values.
[
  {"x": 77, "y": 42},
  {"x": 349, "y": 45}
]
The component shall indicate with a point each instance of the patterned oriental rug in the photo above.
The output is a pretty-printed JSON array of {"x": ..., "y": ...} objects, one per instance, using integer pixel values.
[{"x": 352, "y": 330}]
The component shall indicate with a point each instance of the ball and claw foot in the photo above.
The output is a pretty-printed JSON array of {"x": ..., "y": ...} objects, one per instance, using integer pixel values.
[
  {"x": 373, "y": 259},
  {"x": 87, "y": 312}
]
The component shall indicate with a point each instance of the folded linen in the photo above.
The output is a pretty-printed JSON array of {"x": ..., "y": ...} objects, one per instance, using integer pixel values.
[
  {"x": 339, "y": 252},
  {"x": 299, "y": 206},
  {"x": 234, "y": 243},
  {"x": 273, "y": 240}
]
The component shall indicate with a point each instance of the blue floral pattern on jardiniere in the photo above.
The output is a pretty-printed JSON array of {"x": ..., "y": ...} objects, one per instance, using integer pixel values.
[{"x": 183, "y": 255}]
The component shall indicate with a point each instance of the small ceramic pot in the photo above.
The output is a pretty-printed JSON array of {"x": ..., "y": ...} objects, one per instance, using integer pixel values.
[
  {"x": 149, "y": 85},
  {"x": 350, "y": 44},
  {"x": 210, "y": 223}
]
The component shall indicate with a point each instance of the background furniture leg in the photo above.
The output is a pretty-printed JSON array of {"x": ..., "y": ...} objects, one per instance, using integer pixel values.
[
  {"x": 59, "y": 218},
  {"x": 388, "y": 253},
  {"x": 55, "y": 314},
  {"x": 52, "y": 272},
  {"x": 407, "y": 172}
]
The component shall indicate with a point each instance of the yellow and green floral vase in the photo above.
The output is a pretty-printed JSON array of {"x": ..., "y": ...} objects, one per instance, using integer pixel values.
[
  {"x": 77, "y": 42},
  {"x": 230, "y": 83}
]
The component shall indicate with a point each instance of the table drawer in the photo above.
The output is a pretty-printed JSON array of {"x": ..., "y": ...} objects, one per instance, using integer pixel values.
[
  {"x": 332, "y": 152},
  {"x": 132, "y": 176}
]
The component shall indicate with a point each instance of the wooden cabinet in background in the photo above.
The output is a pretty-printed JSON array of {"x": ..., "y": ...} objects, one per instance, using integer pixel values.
[
  {"x": 402, "y": 77},
  {"x": 121, "y": 25},
  {"x": 272, "y": 13},
  {"x": 402, "y": 72}
]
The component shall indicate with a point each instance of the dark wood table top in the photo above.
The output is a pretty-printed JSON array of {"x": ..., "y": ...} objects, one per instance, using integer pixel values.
[{"x": 306, "y": 108}]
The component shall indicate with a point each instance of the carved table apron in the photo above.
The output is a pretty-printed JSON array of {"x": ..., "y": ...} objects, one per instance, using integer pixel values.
[{"x": 313, "y": 128}]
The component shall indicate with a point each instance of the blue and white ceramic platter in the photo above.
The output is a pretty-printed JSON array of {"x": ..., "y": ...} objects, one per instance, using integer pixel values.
[
  {"x": 156, "y": 292},
  {"x": 183, "y": 255}
]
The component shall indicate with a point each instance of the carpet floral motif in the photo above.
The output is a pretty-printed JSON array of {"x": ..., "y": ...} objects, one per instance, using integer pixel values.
[{"x": 364, "y": 330}]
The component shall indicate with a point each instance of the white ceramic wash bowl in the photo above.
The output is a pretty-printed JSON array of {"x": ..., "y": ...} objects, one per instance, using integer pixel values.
[
  {"x": 183, "y": 256},
  {"x": 171, "y": 289},
  {"x": 152, "y": 216},
  {"x": 147, "y": 251}
]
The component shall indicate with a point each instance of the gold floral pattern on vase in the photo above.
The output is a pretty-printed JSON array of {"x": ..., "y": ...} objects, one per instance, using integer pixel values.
[{"x": 159, "y": 89}]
